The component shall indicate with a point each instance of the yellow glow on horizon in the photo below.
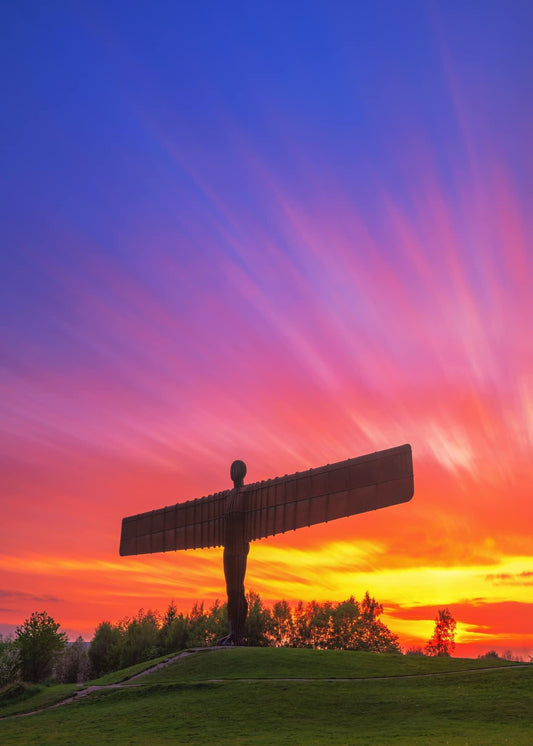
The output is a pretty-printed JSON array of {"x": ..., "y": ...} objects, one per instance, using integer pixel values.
[{"x": 332, "y": 571}]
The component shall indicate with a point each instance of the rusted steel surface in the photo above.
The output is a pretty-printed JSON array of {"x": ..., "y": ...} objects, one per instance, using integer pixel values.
[
  {"x": 190, "y": 525},
  {"x": 356, "y": 485}
]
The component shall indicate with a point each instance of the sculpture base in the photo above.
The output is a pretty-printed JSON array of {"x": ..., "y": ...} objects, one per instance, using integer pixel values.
[{"x": 231, "y": 641}]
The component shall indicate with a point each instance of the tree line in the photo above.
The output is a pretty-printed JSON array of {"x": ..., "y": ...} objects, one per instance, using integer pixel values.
[
  {"x": 348, "y": 625},
  {"x": 40, "y": 651}
]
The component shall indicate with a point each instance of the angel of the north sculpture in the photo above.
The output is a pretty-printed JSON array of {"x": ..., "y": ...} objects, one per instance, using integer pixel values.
[{"x": 233, "y": 518}]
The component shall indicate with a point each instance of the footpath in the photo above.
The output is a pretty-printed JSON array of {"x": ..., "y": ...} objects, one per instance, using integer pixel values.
[{"x": 133, "y": 681}]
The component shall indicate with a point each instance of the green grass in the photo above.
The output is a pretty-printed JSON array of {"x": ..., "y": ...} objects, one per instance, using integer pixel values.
[
  {"x": 278, "y": 663},
  {"x": 180, "y": 705},
  {"x": 36, "y": 697},
  {"x": 40, "y": 696},
  {"x": 116, "y": 677}
]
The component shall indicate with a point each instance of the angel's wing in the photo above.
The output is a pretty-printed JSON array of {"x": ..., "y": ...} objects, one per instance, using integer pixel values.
[{"x": 356, "y": 485}]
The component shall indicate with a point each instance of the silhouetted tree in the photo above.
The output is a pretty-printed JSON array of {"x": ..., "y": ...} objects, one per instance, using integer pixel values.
[
  {"x": 39, "y": 644},
  {"x": 442, "y": 641},
  {"x": 280, "y": 632},
  {"x": 489, "y": 654},
  {"x": 74, "y": 665},
  {"x": 169, "y": 641},
  {"x": 197, "y": 620},
  {"x": 216, "y": 623},
  {"x": 376, "y": 636},
  {"x": 256, "y": 622},
  {"x": 9, "y": 663},
  {"x": 301, "y": 625},
  {"x": 344, "y": 626},
  {"x": 105, "y": 649},
  {"x": 170, "y": 616},
  {"x": 140, "y": 639},
  {"x": 174, "y": 634},
  {"x": 344, "y": 629},
  {"x": 348, "y": 625},
  {"x": 319, "y": 624},
  {"x": 508, "y": 655}
]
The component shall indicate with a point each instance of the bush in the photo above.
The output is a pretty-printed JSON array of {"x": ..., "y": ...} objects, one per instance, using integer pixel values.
[
  {"x": 16, "y": 690},
  {"x": 489, "y": 654},
  {"x": 10, "y": 668},
  {"x": 508, "y": 655}
]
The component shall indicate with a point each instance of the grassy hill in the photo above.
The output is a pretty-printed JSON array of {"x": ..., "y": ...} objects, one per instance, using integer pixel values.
[{"x": 279, "y": 696}]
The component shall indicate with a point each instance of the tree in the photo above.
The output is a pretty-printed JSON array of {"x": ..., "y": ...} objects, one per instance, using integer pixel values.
[
  {"x": 344, "y": 626},
  {"x": 39, "y": 644},
  {"x": 376, "y": 636},
  {"x": 489, "y": 654},
  {"x": 106, "y": 648},
  {"x": 196, "y": 623},
  {"x": 74, "y": 666},
  {"x": 216, "y": 623},
  {"x": 301, "y": 626},
  {"x": 174, "y": 633},
  {"x": 256, "y": 621},
  {"x": 280, "y": 631},
  {"x": 141, "y": 639},
  {"x": 348, "y": 625},
  {"x": 442, "y": 640}
]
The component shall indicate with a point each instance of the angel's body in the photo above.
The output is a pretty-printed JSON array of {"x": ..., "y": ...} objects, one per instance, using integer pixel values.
[{"x": 236, "y": 548}]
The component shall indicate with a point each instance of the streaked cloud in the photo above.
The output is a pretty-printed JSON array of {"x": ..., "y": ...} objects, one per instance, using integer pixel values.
[{"x": 284, "y": 258}]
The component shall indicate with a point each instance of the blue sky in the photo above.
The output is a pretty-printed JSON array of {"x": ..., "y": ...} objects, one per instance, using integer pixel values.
[{"x": 285, "y": 232}]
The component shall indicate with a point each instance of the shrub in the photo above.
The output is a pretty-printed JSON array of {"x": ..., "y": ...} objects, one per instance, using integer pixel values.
[
  {"x": 10, "y": 668},
  {"x": 489, "y": 654}
]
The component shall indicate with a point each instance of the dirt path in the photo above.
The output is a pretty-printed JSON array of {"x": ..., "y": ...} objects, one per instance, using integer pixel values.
[
  {"x": 81, "y": 693},
  {"x": 127, "y": 682},
  {"x": 132, "y": 681}
]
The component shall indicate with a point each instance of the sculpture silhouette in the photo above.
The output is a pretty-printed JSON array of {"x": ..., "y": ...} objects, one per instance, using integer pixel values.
[
  {"x": 236, "y": 548},
  {"x": 234, "y": 518}
]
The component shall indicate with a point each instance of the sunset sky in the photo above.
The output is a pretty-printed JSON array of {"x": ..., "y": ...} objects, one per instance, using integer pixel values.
[{"x": 286, "y": 232}]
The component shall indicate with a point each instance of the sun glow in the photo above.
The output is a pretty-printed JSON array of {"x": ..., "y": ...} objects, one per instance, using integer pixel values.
[{"x": 214, "y": 251}]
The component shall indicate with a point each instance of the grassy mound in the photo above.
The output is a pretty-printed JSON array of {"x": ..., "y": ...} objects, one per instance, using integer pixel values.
[
  {"x": 257, "y": 696},
  {"x": 291, "y": 663}
]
